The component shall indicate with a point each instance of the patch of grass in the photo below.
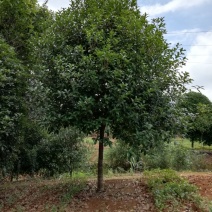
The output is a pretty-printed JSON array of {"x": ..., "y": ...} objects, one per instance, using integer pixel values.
[
  {"x": 76, "y": 175},
  {"x": 72, "y": 189},
  {"x": 170, "y": 191},
  {"x": 187, "y": 143},
  {"x": 56, "y": 192}
]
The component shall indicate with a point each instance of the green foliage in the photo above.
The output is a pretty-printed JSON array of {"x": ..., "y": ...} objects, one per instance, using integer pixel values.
[
  {"x": 16, "y": 23},
  {"x": 96, "y": 67},
  {"x": 191, "y": 100},
  {"x": 169, "y": 190},
  {"x": 107, "y": 65},
  {"x": 174, "y": 157},
  {"x": 122, "y": 156},
  {"x": 198, "y": 112},
  {"x": 19, "y": 21},
  {"x": 62, "y": 152},
  {"x": 12, "y": 88},
  {"x": 19, "y": 133}
]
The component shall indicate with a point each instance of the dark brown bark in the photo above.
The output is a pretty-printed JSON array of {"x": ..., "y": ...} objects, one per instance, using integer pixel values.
[{"x": 100, "y": 185}]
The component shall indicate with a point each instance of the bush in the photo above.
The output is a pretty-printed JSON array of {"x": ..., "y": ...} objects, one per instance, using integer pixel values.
[
  {"x": 172, "y": 156},
  {"x": 121, "y": 156},
  {"x": 22, "y": 158},
  {"x": 62, "y": 152}
]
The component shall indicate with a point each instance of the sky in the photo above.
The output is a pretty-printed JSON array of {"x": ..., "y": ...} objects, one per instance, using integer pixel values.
[{"x": 188, "y": 23}]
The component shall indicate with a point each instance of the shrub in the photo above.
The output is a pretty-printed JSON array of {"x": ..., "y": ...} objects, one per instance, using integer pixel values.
[
  {"x": 122, "y": 156},
  {"x": 62, "y": 152},
  {"x": 174, "y": 157}
]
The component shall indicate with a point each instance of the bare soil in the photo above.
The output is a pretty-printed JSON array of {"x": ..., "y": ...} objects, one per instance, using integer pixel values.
[{"x": 128, "y": 193}]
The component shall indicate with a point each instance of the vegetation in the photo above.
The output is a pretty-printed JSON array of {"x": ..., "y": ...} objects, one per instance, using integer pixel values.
[
  {"x": 62, "y": 152},
  {"x": 102, "y": 68},
  {"x": 177, "y": 156},
  {"x": 198, "y": 111},
  {"x": 12, "y": 89},
  {"x": 170, "y": 191},
  {"x": 122, "y": 157},
  {"x": 106, "y": 65},
  {"x": 174, "y": 157}
]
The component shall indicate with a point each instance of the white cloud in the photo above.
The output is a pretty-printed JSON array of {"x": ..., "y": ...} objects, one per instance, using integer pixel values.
[
  {"x": 184, "y": 36},
  {"x": 171, "y": 6},
  {"x": 199, "y": 63},
  {"x": 55, "y": 5}
]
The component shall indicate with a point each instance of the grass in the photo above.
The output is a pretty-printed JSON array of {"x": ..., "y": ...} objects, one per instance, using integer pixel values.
[
  {"x": 52, "y": 195},
  {"x": 187, "y": 143}
]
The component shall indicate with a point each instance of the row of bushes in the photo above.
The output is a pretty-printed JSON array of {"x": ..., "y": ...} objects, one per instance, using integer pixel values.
[
  {"x": 47, "y": 154},
  {"x": 66, "y": 151},
  {"x": 165, "y": 156}
]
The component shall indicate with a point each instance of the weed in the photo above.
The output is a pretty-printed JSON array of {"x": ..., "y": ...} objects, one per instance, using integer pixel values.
[
  {"x": 169, "y": 190},
  {"x": 72, "y": 189},
  {"x": 19, "y": 208}
]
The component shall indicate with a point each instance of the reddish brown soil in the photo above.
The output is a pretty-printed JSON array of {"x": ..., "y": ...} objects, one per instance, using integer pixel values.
[
  {"x": 203, "y": 181},
  {"x": 127, "y": 193},
  {"x": 119, "y": 195}
]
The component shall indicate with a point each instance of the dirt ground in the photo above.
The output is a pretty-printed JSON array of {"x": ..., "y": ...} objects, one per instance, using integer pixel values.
[
  {"x": 127, "y": 193},
  {"x": 203, "y": 181}
]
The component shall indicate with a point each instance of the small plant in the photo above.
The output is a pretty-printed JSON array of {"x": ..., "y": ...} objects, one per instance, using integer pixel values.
[
  {"x": 72, "y": 188},
  {"x": 169, "y": 190}
]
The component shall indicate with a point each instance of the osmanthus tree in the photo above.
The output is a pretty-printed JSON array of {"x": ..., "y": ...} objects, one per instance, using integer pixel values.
[{"x": 104, "y": 64}]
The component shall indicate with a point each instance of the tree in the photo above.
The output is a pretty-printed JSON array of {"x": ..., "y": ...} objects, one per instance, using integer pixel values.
[
  {"x": 12, "y": 88},
  {"x": 16, "y": 23},
  {"x": 191, "y": 100},
  {"x": 198, "y": 110},
  {"x": 19, "y": 22},
  {"x": 106, "y": 65}
]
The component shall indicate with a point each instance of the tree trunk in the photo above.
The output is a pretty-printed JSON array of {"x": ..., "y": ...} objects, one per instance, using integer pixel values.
[
  {"x": 192, "y": 144},
  {"x": 100, "y": 186}
]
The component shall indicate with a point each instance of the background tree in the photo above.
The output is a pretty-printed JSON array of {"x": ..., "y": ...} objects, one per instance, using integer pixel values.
[
  {"x": 16, "y": 24},
  {"x": 19, "y": 22},
  {"x": 12, "y": 88},
  {"x": 106, "y": 65},
  {"x": 198, "y": 111}
]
